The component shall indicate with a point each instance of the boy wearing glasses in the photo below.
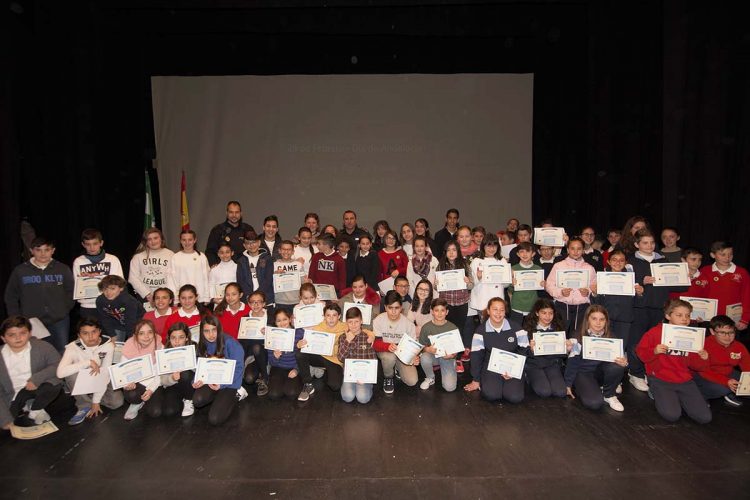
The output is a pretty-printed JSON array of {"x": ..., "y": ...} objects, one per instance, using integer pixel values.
[{"x": 726, "y": 359}]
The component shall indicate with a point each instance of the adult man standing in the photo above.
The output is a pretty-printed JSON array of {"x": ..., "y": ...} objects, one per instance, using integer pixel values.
[
  {"x": 351, "y": 230},
  {"x": 448, "y": 232},
  {"x": 232, "y": 231}
]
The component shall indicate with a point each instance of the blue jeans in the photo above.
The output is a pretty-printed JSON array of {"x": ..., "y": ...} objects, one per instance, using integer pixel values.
[
  {"x": 447, "y": 370},
  {"x": 712, "y": 390},
  {"x": 59, "y": 333},
  {"x": 352, "y": 390}
]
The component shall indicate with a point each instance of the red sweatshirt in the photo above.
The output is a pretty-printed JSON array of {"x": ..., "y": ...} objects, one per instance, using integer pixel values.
[
  {"x": 389, "y": 261},
  {"x": 698, "y": 288},
  {"x": 672, "y": 368},
  {"x": 729, "y": 288},
  {"x": 328, "y": 270},
  {"x": 176, "y": 317},
  {"x": 230, "y": 321},
  {"x": 723, "y": 360},
  {"x": 160, "y": 321}
]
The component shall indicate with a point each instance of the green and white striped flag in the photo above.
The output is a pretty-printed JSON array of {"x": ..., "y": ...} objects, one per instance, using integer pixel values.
[{"x": 148, "y": 217}]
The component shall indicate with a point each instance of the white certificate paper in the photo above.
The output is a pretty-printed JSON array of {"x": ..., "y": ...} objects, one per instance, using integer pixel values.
[
  {"x": 734, "y": 311},
  {"x": 308, "y": 315},
  {"x": 703, "y": 309},
  {"x": 386, "y": 285},
  {"x": 496, "y": 273},
  {"x": 326, "y": 292},
  {"x": 549, "y": 343},
  {"x": 251, "y": 328},
  {"x": 90, "y": 384},
  {"x": 683, "y": 338},
  {"x": 33, "y": 432},
  {"x": 447, "y": 343},
  {"x": 615, "y": 283},
  {"x": 408, "y": 349},
  {"x": 670, "y": 274},
  {"x": 572, "y": 278},
  {"x": 744, "y": 388},
  {"x": 131, "y": 371},
  {"x": 217, "y": 371},
  {"x": 195, "y": 333},
  {"x": 365, "y": 309},
  {"x": 279, "y": 339},
  {"x": 175, "y": 359},
  {"x": 602, "y": 349},
  {"x": 286, "y": 282},
  {"x": 452, "y": 279},
  {"x": 549, "y": 236},
  {"x": 87, "y": 287},
  {"x": 319, "y": 343},
  {"x": 504, "y": 362},
  {"x": 361, "y": 371},
  {"x": 528, "y": 279},
  {"x": 219, "y": 290}
]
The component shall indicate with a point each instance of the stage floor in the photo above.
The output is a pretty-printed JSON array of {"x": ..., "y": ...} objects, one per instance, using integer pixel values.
[{"x": 412, "y": 444}]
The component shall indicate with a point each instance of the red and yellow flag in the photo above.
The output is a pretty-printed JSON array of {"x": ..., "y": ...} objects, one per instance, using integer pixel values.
[{"x": 184, "y": 215}]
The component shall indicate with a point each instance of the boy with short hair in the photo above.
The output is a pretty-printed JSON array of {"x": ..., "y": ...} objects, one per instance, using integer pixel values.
[
  {"x": 327, "y": 267},
  {"x": 285, "y": 264},
  {"x": 439, "y": 324},
  {"x": 255, "y": 269},
  {"x": 271, "y": 237},
  {"x": 117, "y": 312},
  {"x": 42, "y": 288},
  {"x": 524, "y": 233},
  {"x": 698, "y": 283},
  {"x": 94, "y": 263},
  {"x": 361, "y": 293},
  {"x": 729, "y": 284},
  {"x": 92, "y": 351},
  {"x": 522, "y": 301}
]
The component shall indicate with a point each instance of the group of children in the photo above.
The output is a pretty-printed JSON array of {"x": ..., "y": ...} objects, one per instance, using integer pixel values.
[{"x": 390, "y": 278}]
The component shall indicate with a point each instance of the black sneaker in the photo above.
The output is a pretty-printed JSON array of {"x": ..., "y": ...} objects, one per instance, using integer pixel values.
[
  {"x": 307, "y": 391},
  {"x": 24, "y": 421},
  {"x": 262, "y": 387},
  {"x": 388, "y": 385},
  {"x": 732, "y": 400}
]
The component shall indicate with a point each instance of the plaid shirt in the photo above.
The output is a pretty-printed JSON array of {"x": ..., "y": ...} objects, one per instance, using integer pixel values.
[
  {"x": 456, "y": 297},
  {"x": 359, "y": 348}
]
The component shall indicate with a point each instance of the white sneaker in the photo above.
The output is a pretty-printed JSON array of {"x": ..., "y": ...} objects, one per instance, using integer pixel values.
[
  {"x": 427, "y": 383},
  {"x": 619, "y": 389},
  {"x": 39, "y": 416},
  {"x": 614, "y": 403},
  {"x": 241, "y": 393},
  {"x": 187, "y": 407},
  {"x": 639, "y": 383},
  {"x": 132, "y": 411}
]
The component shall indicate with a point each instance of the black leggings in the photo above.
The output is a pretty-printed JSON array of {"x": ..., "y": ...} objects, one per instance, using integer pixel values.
[
  {"x": 259, "y": 368},
  {"x": 572, "y": 315},
  {"x": 222, "y": 403},
  {"x": 280, "y": 385},
  {"x": 173, "y": 395},
  {"x": 334, "y": 372},
  {"x": 587, "y": 384},
  {"x": 48, "y": 397},
  {"x": 457, "y": 316},
  {"x": 154, "y": 403}
]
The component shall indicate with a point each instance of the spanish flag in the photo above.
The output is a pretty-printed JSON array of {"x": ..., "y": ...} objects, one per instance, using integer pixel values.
[{"x": 184, "y": 215}]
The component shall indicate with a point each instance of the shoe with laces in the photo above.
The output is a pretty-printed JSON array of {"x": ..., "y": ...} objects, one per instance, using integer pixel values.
[
  {"x": 614, "y": 403},
  {"x": 132, "y": 411},
  {"x": 79, "y": 417},
  {"x": 388, "y": 385},
  {"x": 262, "y": 387},
  {"x": 241, "y": 393},
  {"x": 466, "y": 356},
  {"x": 187, "y": 407},
  {"x": 459, "y": 367},
  {"x": 427, "y": 383},
  {"x": 307, "y": 391},
  {"x": 732, "y": 400},
  {"x": 638, "y": 382}
]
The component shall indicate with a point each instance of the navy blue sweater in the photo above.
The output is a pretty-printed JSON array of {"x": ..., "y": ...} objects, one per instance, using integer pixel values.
[
  {"x": 542, "y": 362},
  {"x": 483, "y": 342},
  {"x": 654, "y": 297},
  {"x": 264, "y": 271}
]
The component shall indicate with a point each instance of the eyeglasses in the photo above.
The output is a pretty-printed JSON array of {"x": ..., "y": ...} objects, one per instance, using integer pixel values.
[{"x": 727, "y": 333}]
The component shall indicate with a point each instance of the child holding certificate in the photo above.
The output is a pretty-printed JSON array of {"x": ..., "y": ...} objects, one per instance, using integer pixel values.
[
  {"x": 497, "y": 332},
  {"x": 458, "y": 300},
  {"x": 595, "y": 382},
  {"x": 356, "y": 343},
  {"x": 256, "y": 372},
  {"x": 151, "y": 266},
  {"x": 544, "y": 373},
  {"x": 698, "y": 282},
  {"x": 304, "y": 250},
  {"x": 360, "y": 293},
  {"x": 393, "y": 260},
  {"x": 232, "y": 309},
  {"x": 223, "y": 398},
  {"x": 727, "y": 358},
  {"x": 422, "y": 264},
  {"x": 118, "y": 312},
  {"x": 621, "y": 308},
  {"x": 521, "y": 301},
  {"x": 729, "y": 284},
  {"x": 285, "y": 264},
  {"x": 439, "y": 324},
  {"x": 95, "y": 263},
  {"x": 190, "y": 267},
  {"x": 334, "y": 368},
  {"x": 144, "y": 342},
  {"x": 178, "y": 386},
  {"x": 162, "y": 303},
  {"x": 669, "y": 378},
  {"x": 189, "y": 312},
  {"x": 571, "y": 302},
  {"x": 283, "y": 379},
  {"x": 484, "y": 291},
  {"x": 222, "y": 273},
  {"x": 389, "y": 327}
]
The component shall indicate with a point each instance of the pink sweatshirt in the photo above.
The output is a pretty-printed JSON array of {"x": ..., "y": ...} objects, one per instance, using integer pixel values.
[{"x": 575, "y": 296}]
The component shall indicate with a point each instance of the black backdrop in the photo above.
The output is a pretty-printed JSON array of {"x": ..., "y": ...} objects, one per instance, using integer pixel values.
[{"x": 640, "y": 107}]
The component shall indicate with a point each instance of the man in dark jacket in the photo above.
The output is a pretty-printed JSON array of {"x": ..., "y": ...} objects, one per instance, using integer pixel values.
[{"x": 232, "y": 231}]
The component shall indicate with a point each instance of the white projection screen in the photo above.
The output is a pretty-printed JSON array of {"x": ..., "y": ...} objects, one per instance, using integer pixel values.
[{"x": 393, "y": 147}]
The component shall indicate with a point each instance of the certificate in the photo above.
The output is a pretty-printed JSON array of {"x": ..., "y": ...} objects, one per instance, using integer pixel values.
[
  {"x": 319, "y": 343},
  {"x": 217, "y": 371},
  {"x": 572, "y": 278},
  {"x": 386, "y": 285},
  {"x": 549, "y": 236},
  {"x": 734, "y": 311},
  {"x": 744, "y": 388},
  {"x": 286, "y": 282},
  {"x": 175, "y": 359},
  {"x": 251, "y": 328},
  {"x": 447, "y": 343},
  {"x": 615, "y": 284},
  {"x": 195, "y": 333},
  {"x": 361, "y": 371},
  {"x": 219, "y": 290},
  {"x": 528, "y": 279},
  {"x": 38, "y": 329},
  {"x": 504, "y": 362},
  {"x": 549, "y": 343},
  {"x": 450, "y": 280},
  {"x": 117, "y": 355},
  {"x": 365, "y": 309},
  {"x": 87, "y": 287},
  {"x": 602, "y": 349},
  {"x": 408, "y": 349},
  {"x": 131, "y": 371},
  {"x": 496, "y": 272},
  {"x": 308, "y": 315},
  {"x": 683, "y": 338},
  {"x": 279, "y": 339},
  {"x": 326, "y": 292},
  {"x": 86, "y": 383},
  {"x": 670, "y": 274},
  {"x": 33, "y": 432},
  {"x": 703, "y": 309}
]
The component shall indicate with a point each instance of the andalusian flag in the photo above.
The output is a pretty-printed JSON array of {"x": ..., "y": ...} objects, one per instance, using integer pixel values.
[
  {"x": 184, "y": 215},
  {"x": 148, "y": 218}
]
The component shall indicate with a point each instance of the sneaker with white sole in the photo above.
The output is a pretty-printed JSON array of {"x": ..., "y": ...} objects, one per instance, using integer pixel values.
[
  {"x": 732, "y": 400},
  {"x": 638, "y": 382},
  {"x": 187, "y": 407},
  {"x": 388, "y": 385},
  {"x": 79, "y": 417},
  {"x": 427, "y": 383},
  {"x": 39, "y": 416},
  {"x": 241, "y": 393},
  {"x": 618, "y": 390},
  {"x": 307, "y": 391},
  {"x": 614, "y": 403},
  {"x": 132, "y": 411}
]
